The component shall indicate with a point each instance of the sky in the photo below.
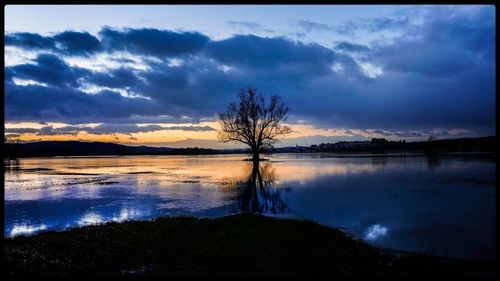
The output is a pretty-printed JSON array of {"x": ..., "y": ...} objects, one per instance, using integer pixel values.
[{"x": 158, "y": 75}]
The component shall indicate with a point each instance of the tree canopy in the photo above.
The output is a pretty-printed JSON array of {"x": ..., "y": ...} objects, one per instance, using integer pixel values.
[{"x": 254, "y": 122}]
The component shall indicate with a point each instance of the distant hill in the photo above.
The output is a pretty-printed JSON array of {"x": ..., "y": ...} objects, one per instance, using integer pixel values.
[{"x": 79, "y": 148}]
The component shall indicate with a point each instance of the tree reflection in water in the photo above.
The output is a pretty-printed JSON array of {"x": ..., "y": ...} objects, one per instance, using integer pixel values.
[
  {"x": 258, "y": 194},
  {"x": 11, "y": 165}
]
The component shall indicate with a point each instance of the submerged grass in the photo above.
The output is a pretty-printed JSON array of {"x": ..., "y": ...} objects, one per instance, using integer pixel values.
[{"x": 238, "y": 245}]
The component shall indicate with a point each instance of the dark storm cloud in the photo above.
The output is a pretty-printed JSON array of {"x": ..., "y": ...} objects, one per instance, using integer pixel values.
[
  {"x": 145, "y": 41},
  {"x": 443, "y": 47},
  {"x": 106, "y": 128},
  {"x": 149, "y": 41},
  {"x": 8, "y": 74},
  {"x": 52, "y": 70},
  {"x": 30, "y": 41},
  {"x": 133, "y": 128},
  {"x": 116, "y": 78},
  {"x": 439, "y": 73},
  {"x": 49, "y": 69},
  {"x": 34, "y": 102},
  {"x": 267, "y": 53},
  {"x": 69, "y": 42},
  {"x": 77, "y": 43}
]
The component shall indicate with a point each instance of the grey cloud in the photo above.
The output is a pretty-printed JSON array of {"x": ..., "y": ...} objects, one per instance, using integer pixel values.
[
  {"x": 443, "y": 47},
  {"x": 384, "y": 23},
  {"x": 353, "y": 26},
  {"x": 149, "y": 41},
  {"x": 422, "y": 134},
  {"x": 50, "y": 131},
  {"x": 30, "y": 41},
  {"x": 106, "y": 128},
  {"x": 190, "y": 128},
  {"x": 249, "y": 25},
  {"x": 141, "y": 41},
  {"x": 133, "y": 128},
  {"x": 9, "y": 136},
  {"x": 351, "y": 47},
  {"x": 69, "y": 42},
  {"x": 44, "y": 131},
  {"x": 21, "y": 130},
  {"x": 77, "y": 43},
  {"x": 33, "y": 102},
  {"x": 116, "y": 78},
  {"x": 48, "y": 69},
  {"x": 440, "y": 73},
  {"x": 309, "y": 26},
  {"x": 267, "y": 53}
]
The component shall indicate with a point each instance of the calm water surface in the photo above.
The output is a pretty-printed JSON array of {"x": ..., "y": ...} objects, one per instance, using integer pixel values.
[{"x": 443, "y": 206}]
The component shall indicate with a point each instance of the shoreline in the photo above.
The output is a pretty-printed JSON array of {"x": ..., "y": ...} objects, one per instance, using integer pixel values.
[
  {"x": 353, "y": 154},
  {"x": 235, "y": 245}
]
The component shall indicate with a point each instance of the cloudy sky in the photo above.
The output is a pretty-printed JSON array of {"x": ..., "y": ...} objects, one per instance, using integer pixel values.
[{"x": 158, "y": 75}]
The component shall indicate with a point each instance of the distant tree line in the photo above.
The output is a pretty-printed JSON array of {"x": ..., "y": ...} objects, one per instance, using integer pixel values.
[
  {"x": 12, "y": 148},
  {"x": 76, "y": 148},
  {"x": 382, "y": 145}
]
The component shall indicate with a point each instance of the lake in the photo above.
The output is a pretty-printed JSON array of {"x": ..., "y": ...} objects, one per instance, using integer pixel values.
[{"x": 440, "y": 206}]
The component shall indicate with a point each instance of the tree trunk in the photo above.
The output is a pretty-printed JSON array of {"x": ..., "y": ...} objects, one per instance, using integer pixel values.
[{"x": 255, "y": 155}]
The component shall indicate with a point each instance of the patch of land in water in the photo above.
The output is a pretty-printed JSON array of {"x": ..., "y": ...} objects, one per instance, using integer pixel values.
[{"x": 238, "y": 245}]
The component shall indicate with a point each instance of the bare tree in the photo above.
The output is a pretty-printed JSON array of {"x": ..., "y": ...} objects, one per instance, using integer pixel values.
[{"x": 253, "y": 122}]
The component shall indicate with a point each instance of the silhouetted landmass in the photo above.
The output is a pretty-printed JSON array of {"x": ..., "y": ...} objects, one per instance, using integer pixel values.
[
  {"x": 238, "y": 245},
  {"x": 381, "y": 145},
  {"x": 78, "y": 148}
]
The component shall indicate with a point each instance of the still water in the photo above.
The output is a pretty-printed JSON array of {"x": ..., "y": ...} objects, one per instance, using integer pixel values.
[{"x": 441, "y": 206}]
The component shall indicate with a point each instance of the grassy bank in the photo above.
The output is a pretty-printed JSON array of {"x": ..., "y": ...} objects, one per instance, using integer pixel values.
[{"x": 240, "y": 245}]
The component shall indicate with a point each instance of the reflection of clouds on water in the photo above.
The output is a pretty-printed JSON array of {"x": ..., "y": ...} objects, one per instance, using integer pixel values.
[
  {"x": 125, "y": 214},
  {"x": 128, "y": 214},
  {"x": 51, "y": 177},
  {"x": 41, "y": 187},
  {"x": 402, "y": 193},
  {"x": 375, "y": 231},
  {"x": 192, "y": 206},
  {"x": 23, "y": 229},
  {"x": 90, "y": 218}
]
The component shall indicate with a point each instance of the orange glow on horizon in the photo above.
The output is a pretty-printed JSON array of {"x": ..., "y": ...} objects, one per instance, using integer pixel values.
[{"x": 162, "y": 137}]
